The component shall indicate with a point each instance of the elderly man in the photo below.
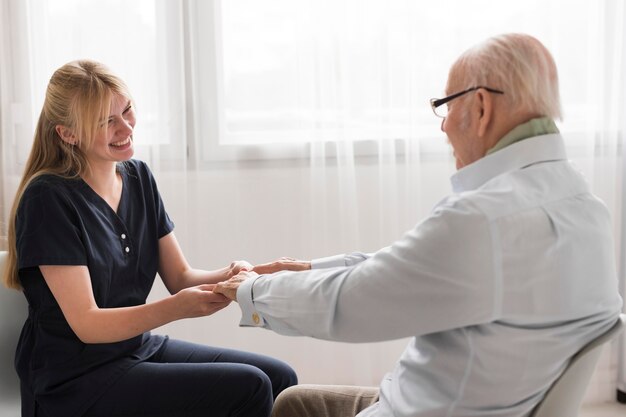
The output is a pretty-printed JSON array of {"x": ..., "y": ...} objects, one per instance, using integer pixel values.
[{"x": 504, "y": 281}]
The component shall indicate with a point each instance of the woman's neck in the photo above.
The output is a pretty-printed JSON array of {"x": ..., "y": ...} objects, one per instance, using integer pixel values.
[{"x": 106, "y": 182}]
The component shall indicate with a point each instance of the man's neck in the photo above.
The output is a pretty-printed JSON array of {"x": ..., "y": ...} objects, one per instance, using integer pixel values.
[{"x": 534, "y": 127}]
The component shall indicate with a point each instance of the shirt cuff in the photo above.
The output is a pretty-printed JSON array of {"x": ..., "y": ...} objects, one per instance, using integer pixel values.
[
  {"x": 245, "y": 297},
  {"x": 329, "y": 262}
]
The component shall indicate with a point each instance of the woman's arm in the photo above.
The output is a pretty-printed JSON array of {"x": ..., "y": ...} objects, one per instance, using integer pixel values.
[
  {"x": 177, "y": 274},
  {"x": 71, "y": 287}
]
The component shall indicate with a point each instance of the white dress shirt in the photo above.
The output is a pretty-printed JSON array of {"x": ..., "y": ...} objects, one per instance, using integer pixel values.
[{"x": 503, "y": 282}]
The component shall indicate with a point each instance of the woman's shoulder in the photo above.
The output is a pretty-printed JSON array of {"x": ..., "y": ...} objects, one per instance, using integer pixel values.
[
  {"x": 49, "y": 184},
  {"x": 134, "y": 163},
  {"x": 135, "y": 167},
  {"x": 46, "y": 191}
]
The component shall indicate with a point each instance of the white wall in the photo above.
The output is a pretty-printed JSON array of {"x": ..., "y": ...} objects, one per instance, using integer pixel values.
[{"x": 261, "y": 212}]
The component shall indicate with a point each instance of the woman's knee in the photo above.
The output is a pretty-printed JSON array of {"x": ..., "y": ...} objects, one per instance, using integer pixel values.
[
  {"x": 282, "y": 377},
  {"x": 256, "y": 381},
  {"x": 246, "y": 391},
  {"x": 280, "y": 373}
]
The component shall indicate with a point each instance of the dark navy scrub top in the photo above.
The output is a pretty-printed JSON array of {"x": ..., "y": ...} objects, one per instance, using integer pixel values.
[{"x": 64, "y": 222}]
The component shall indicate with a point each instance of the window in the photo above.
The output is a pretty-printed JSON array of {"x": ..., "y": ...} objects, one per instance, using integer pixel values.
[
  {"x": 137, "y": 39},
  {"x": 302, "y": 70},
  {"x": 248, "y": 78},
  {"x": 118, "y": 33}
]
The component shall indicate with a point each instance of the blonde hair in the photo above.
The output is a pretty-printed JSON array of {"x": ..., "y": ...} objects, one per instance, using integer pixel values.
[
  {"x": 78, "y": 98},
  {"x": 519, "y": 65}
]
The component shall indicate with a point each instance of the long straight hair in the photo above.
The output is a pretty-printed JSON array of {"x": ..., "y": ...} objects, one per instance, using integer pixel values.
[{"x": 78, "y": 97}]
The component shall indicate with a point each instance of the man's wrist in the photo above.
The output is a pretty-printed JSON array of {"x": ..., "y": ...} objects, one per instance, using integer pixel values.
[
  {"x": 245, "y": 297},
  {"x": 329, "y": 262}
]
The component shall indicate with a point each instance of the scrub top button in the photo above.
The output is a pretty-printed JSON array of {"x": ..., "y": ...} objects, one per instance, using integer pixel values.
[
  {"x": 127, "y": 249},
  {"x": 123, "y": 236}
]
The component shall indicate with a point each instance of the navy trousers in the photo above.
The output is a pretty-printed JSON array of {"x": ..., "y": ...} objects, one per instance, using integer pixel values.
[{"x": 190, "y": 380}]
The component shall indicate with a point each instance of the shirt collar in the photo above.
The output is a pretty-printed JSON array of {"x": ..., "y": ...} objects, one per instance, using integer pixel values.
[
  {"x": 515, "y": 156},
  {"x": 534, "y": 127}
]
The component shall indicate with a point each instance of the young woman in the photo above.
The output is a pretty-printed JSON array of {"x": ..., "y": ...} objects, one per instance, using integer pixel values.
[{"x": 88, "y": 232}]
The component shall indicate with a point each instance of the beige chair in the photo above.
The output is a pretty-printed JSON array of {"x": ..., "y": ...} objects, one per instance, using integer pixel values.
[
  {"x": 566, "y": 394},
  {"x": 13, "y": 313}
]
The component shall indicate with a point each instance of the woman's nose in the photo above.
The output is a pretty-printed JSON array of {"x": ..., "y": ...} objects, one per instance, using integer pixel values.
[{"x": 126, "y": 127}]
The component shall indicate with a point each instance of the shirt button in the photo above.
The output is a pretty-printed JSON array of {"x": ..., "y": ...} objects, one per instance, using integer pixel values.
[
  {"x": 255, "y": 318},
  {"x": 127, "y": 249},
  {"x": 123, "y": 236}
]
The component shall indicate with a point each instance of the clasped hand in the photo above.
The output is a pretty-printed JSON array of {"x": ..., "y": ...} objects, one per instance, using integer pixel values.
[
  {"x": 200, "y": 300},
  {"x": 229, "y": 288}
]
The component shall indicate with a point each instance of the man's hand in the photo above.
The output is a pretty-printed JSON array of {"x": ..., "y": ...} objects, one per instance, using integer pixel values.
[
  {"x": 229, "y": 288},
  {"x": 282, "y": 264}
]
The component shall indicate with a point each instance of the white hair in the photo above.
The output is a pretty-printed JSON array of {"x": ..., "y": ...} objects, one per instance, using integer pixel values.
[{"x": 520, "y": 66}]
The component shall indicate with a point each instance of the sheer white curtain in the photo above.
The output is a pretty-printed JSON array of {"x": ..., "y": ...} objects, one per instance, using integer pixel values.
[
  {"x": 302, "y": 127},
  {"x": 618, "y": 125},
  {"x": 15, "y": 105}
]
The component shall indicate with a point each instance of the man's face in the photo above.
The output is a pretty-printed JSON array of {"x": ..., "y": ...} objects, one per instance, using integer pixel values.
[{"x": 458, "y": 124}]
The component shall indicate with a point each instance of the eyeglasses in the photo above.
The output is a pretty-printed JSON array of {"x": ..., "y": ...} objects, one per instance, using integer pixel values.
[{"x": 442, "y": 111}]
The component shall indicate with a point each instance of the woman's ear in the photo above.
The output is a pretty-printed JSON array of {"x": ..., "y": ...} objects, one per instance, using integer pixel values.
[{"x": 66, "y": 134}]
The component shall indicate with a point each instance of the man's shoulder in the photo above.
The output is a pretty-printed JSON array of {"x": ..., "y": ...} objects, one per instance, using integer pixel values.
[
  {"x": 463, "y": 206},
  {"x": 523, "y": 189}
]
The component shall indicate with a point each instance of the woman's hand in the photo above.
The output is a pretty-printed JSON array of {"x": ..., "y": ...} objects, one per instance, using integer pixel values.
[
  {"x": 199, "y": 301},
  {"x": 282, "y": 264},
  {"x": 236, "y": 267}
]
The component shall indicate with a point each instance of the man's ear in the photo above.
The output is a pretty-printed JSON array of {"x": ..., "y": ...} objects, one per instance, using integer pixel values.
[
  {"x": 66, "y": 134},
  {"x": 484, "y": 102}
]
